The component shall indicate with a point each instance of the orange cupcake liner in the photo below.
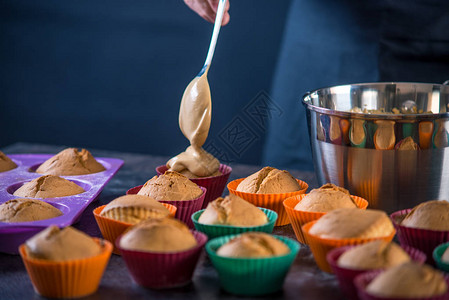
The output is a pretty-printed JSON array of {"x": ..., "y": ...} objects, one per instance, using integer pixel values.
[
  {"x": 111, "y": 229},
  {"x": 298, "y": 218},
  {"x": 270, "y": 201},
  {"x": 67, "y": 279},
  {"x": 321, "y": 246}
]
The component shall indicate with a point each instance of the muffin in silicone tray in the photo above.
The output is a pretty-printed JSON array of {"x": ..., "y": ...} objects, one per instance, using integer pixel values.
[{"x": 14, "y": 234}]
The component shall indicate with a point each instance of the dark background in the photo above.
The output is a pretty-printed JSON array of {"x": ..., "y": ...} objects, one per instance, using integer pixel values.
[{"x": 110, "y": 74}]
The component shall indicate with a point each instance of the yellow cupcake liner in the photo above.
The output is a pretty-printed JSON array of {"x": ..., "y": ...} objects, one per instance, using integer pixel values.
[
  {"x": 111, "y": 228},
  {"x": 67, "y": 279},
  {"x": 270, "y": 201},
  {"x": 321, "y": 246},
  {"x": 298, "y": 218}
]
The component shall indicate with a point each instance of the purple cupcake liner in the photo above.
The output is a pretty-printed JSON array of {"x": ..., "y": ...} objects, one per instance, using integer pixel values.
[
  {"x": 185, "y": 208},
  {"x": 163, "y": 270},
  {"x": 425, "y": 240},
  {"x": 363, "y": 280},
  {"x": 215, "y": 185},
  {"x": 345, "y": 276}
]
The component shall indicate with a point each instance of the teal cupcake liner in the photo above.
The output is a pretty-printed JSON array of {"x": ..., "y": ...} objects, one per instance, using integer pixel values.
[
  {"x": 251, "y": 276},
  {"x": 437, "y": 254},
  {"x": 213, "y": 231}
]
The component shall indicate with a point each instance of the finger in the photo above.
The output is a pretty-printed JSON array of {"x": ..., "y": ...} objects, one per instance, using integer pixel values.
[
  {"x": 214, "y": 5},
  {"x": 226, "y": 16},
  {"x": 226, "y": 19},
  {"x": 202, "y": 8}
]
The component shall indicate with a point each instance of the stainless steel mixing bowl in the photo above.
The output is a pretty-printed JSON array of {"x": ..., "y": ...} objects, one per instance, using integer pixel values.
[{"x": 362, "y": 151}]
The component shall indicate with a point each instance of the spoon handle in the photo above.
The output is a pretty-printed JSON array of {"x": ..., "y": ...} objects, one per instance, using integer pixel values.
[{"x": 213, "y": 41}]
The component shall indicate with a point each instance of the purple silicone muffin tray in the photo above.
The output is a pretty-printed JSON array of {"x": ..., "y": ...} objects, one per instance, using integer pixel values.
[{"x": 12, "y": 235}]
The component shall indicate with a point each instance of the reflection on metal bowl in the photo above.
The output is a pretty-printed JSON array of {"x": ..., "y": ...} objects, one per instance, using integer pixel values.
[{"x": 395, "y": 161}]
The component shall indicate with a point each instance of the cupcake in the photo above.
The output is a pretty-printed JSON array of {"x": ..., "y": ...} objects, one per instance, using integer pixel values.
[
  {"x": 409, "y": 280},
  {"x": 201, "y": 168},
  {"x": 268, "y": 188},
  {"x": 344, "y": 227},
  {"x": 253, "y": 245},
  {"x": 27, "y": 210},
  {"x": 424, "y": 227},
  {"x": 134, "y": 208},
  {"x": 232, "y": 210},
  {"x": 65, "y": 263},
  {"x": 48, "y": 186},
  {"x": 351, "y": 261},
  {"x": 175, "y": 189},
  {"x": 233, "y": 215},
  {"x": 269, "y": 181},
  {"x": 70, "y": 162},
  {"x": 171, "y": 186},
  {"x": 121, "y": 213},
  {"x": 305, "y": 208},
  {"x": 6, "y": 163},
  {"x": 161, "y": 253},
  {"x": 326, "y": 198},
  {"x": 377, "y": 254},
  {"x": 253, "y": 263}
]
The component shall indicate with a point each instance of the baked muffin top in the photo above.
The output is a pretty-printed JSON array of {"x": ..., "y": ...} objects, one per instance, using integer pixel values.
[
  {"x": 158, "y": 235},
  {"x": 6, "y": 163},
  {"x": 61, "y": 245},
  {"x": 71, "y": 162},
  {"x": 48, "y": 186},
  {"x": 433, "y": 215},
  {"x": 326, "y": 198},
  {"x": 232, "y": 210},
  {"x": 253, "y": 245},
  {"x": 269, "y": 181},
  {"x": 408, "y": 280},
  {"x": 377, "y": 254},
  {"x": 346, "y": 223},
  {"x": 134, "y": 208},
  {"x": 170, "y": 186},
  {"x": 27, "y": 210}
]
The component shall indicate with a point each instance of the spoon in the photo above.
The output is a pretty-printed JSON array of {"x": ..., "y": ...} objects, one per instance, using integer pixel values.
[
  {"x": 196, "y": 105},
  {"x": 213, "y": 41}
]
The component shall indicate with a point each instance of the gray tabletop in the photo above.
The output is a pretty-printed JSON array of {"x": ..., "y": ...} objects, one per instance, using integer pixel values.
[{"x": 304, "y": 281}]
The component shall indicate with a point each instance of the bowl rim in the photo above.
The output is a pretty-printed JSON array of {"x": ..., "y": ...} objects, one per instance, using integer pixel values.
[{"x": 306, "y": 101}]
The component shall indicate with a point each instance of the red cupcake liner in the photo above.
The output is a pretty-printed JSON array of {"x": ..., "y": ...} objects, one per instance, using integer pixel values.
[
  {"x": 345, "y": 276},
  {"x": 270, "y": 201},
  {"x": 215, "y": 185},
  {"x": 298, "y": 218},
  {"x": 163, "y": 270},
  {"x": 185, "y": 208},
  {"x": 425, "y": 240},
  {"x": 363, "y": 280}
]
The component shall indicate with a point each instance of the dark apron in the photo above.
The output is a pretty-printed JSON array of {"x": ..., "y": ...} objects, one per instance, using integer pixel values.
[
  {"x": 333, "y": 42},
  {"x": 414, "y": 41}
]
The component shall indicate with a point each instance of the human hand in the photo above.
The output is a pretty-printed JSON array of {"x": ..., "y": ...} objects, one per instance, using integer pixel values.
[{"x": 207, "y": 9}]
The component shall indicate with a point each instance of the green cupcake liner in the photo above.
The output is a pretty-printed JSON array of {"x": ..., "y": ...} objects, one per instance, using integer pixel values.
[
  {"x": 437, "y": 254},
  {"x": 251, "y": 276},
  {"x": 213, "y": 231}
]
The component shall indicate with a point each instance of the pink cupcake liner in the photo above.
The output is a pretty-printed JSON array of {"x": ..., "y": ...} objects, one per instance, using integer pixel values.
[
  {"x": 185, "y": 208},
  {"x": 215, "y": 185},
  {"x": 363, "y": 280},
  {"x": 425, "y": 240},
  {"x": 345, "y": 276},
  {"x": 163, "y": 270}
]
